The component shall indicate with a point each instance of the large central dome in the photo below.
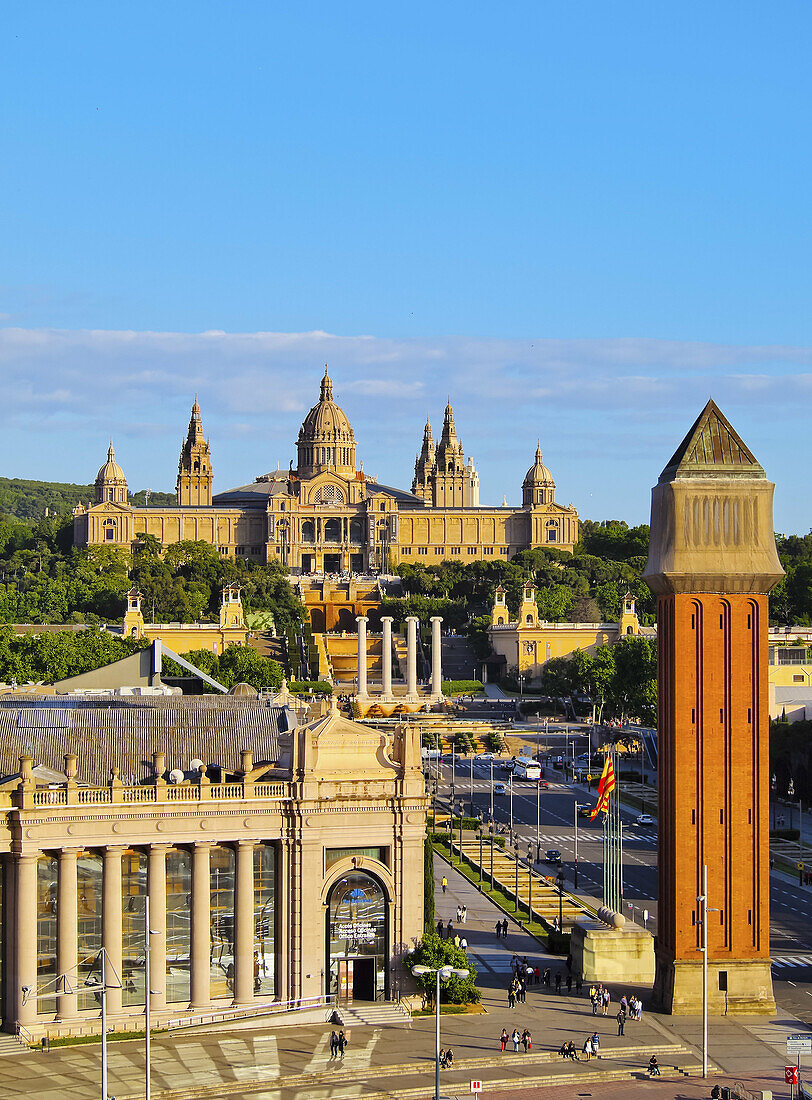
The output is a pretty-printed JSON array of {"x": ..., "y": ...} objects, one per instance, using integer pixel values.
[{"x": 326, "y": 439}]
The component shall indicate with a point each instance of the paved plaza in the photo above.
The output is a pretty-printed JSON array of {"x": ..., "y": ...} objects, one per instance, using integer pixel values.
[{"x": 396, "y": 1060}]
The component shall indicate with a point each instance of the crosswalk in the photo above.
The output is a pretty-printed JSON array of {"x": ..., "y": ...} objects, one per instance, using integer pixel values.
[
  {"x": 791, "y": 962},
  {"x": 567, "y": 838}
]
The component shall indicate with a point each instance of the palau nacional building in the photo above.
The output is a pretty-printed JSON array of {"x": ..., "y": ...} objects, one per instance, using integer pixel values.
[{"x": 327, "y": 515}]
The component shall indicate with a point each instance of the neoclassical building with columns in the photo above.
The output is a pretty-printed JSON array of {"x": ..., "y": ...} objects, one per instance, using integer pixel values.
[
  {"x": 326, "y": 515},
  {"x": 281, "y": 863}
]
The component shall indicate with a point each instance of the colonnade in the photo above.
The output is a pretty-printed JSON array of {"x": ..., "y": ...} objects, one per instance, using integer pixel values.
[
  {"x": 25, "y": 908},
  {"x": 411, "y": 656}
]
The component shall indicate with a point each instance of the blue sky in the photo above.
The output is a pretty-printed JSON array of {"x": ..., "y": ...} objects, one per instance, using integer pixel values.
[{"x": 578, "y": 219}]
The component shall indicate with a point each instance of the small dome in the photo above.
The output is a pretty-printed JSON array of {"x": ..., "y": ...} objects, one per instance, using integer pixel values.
[
  {"x": 111, "y": 471},
  {"x": 243, "y": 689},
  {"x": 538, "y": 474}
]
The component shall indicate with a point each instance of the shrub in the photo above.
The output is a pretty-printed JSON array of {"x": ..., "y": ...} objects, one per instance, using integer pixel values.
[
  {"x": 432, "y": 951},
  {"x": 315, "y": 687}
]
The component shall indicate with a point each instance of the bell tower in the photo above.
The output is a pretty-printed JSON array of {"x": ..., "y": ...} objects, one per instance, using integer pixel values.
[
  {"x": 194, "y": 469},
  {"x": 712, "y": 562}
]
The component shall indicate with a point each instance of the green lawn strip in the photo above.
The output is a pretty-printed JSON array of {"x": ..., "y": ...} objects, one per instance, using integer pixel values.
[
  {"x": 112, "y": 1037},
  {"x": 498, "y": 896}
]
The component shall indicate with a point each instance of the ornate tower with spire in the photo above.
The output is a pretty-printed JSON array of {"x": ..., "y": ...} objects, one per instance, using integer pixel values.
[
  {"x": 712, "y": 562},
  {"x": 425, "y": 466},
  {"x": 326, "y": 439},
  {"x": 194, "y": 469},
  {"x": 111, "y": 484},
  {"x": 442, "y": 477}
]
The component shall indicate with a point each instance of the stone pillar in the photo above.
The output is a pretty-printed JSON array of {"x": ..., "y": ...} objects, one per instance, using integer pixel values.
[
  {"x": 201, "y": 925},
  {"x": 411, "y": 655},
  {"x": 362, "y": 654},
  {"x": 26, "y": 945},
  {"x": 386, "y": 657},
  {"x": 244, "y": 924},
  {"x": 67, "y": 915},
  {"x": 156, "y": 886},
  {"x": 111, "y": 924},
  {"x": 436, "y": 656}
]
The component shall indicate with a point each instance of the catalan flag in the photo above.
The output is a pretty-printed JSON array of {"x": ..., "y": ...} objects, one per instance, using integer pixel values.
[{"x": 605, "y": 788}]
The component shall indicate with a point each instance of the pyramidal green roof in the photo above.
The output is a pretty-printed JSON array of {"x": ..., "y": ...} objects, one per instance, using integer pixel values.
[{"x": 712, "y": 448}]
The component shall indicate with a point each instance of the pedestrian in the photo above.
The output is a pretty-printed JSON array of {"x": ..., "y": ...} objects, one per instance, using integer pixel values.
[
  {"x": 621, "y": 1021},
  {"x": 606, "y": 999},
  {"x": 499, "y": 930},
  {"x": 441, "y": 929},
  {"x": 449, "y": 1058},
  {"x": 536, "y": 975},
  {"x": 586, "y": 1050},
  {"x": 572, "y": 1053},
  {"x": 569, "y": 983},
  {"x": 445, "y": 884},
  {"x": 624, "y": 1004},
  {"x": 504, "y": 929},
  {"x": 511, "y": 996},
  {"x": 342, "y": 1043},
  {"x": 443, "y": 1062},
  {"x": 449, "y": 930},
  {"x": 464, "y": 944},
  {"x": 525, "y": 1039},
  {"x": 558, "y": 981},
  {"x": 522, "y": 991},
  {"x": 459, "y": 913},
  {"x": 547, "y": 977},
  {"x": 464, "y": 914},
  {"x": 516, "y": 1037},
  {"x": 579, "y": 984},
  {"x": 333, "y": 1044},
  {"x": 503, "y": 1038},
  {"x": 596, "y": 1042},
  {"x": 653, "y": 1066},
  {"x": 639, "y": 1009}
]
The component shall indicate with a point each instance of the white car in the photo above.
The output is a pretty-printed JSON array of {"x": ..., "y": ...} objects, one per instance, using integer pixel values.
[
  {"x": 644, "y": 819},
  {"x": 485, "y": 756}
]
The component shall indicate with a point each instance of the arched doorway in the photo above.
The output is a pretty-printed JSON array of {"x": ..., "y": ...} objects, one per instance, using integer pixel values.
[
  {"x": 317, "y": 620},
  {"x": 357, "y": 938}
]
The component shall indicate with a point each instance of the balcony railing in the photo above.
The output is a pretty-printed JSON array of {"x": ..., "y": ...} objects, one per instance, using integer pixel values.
[{"x": 187, "y": 792}]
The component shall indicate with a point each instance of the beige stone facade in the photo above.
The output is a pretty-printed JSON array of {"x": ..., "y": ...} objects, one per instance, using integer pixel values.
[
  {"x": 327, "y": 516},
  {"x": 528, "y": 642},
  {"x": 280, "y": 865},
  {"x": 187, "y": 637}
]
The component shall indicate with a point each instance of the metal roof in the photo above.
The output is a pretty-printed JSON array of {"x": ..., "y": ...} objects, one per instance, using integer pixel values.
[{"x": 124, "y": 732}]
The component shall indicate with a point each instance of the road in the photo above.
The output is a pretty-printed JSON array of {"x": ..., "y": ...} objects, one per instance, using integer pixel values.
[{"x": 553, "y": 811}]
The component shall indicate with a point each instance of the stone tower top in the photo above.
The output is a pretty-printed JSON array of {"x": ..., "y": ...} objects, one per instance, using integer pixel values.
[{"x": 712, "y": 516}]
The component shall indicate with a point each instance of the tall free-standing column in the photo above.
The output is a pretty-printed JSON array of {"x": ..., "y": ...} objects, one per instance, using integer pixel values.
[
  {"x": 411, "y": 655},
  {"x": 67, "y": 915},
  {"x": 386, "y": 657},
  {"x": 362, "y": 654},
  {"x": 157, "y": 926},
  {"x": 436, "y": 656},
  {"x": 244, "y": 924},
  {"x": 26, "y": 937},
  {"x": 201, "y": 925},
  {"x": 111, "y": 923}
]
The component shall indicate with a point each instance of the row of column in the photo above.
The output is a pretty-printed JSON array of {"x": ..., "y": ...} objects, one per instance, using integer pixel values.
[
  {"x": 411, "y": 656},
  {"x": 68, "y": 927}
]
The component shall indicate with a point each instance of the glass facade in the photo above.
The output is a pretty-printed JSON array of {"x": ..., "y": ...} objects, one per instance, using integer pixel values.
[
  {"x": 89, "y": 873},
  {"x": 133, "y": 895},
  {"x": 357, "y": 931},
  {"x": 221, "y": 882},
  {"x": 333, "y": 855},
  {"x": 264, "y": 920},
  {"x": 47, "y": 878},
  {"x": 178, "y": 924}
]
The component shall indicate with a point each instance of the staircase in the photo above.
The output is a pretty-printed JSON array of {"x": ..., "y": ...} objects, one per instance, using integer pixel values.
[
  {"x": 342, "y": 651},
  {"x": 373, "y": 1013},
  {"x": 459, "y": 660}
]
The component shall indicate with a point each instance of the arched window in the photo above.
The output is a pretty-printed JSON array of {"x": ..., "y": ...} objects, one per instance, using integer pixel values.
[
  {"x": 529, "y": 620},
  {"x": 308, "y": 531},
  {"x": 357, "y": 936},
  {"x": 332, "y": 531},
  {"x": 500, "y": 621},
  {"x": 109, "y": 526},
  {"x": 357, "y": 530},
  {"x": 328, "y": 494},
  {"x": 629, "y": 630}
]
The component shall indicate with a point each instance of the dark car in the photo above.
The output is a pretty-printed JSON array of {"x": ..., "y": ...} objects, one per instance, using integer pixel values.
[
  {"x": 585, "y": 811},
  {"x": 552, "y": 855}
]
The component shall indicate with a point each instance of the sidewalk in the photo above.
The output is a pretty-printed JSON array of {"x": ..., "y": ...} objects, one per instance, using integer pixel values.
[{"x": 293, "y": 1063}]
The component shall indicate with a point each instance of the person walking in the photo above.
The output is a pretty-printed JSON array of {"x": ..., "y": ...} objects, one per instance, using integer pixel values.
[
  {"x": 444, "y": 884},
  {"x": 464, "y": 914},
  {"x": 621, "y": 1021},
  {"x": 596, "y": 1042},
  {"x": 607, "y": 997},
  {"x": 527, "y": 1039},
  {"x": 547, "y": 977},
  {"x": 579, "y": 984},
  {"x": 333, "y": 1044},
  {"x": 511, "y": 996},
  {"x": 499, "y": 930},
  {"x": 342, "y": 1043},
  {"x": 504, "y": 929},
  {"x": 459, "y": 913},
  {"x": 441, "y": 929},
  {"x": 569, "y": 983},
  {"x": 558, "y": 981},
  {"x": 464, "y": 944},
  {"x": 536, "y": 975},
  {"x": 586, "y": 1050},
  {"x": 449, "y": 930},
  {"x": 503, "y": 1038},
  {"x": 516, "y": 1037}
]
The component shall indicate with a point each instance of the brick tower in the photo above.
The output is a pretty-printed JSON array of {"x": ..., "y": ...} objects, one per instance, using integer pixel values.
[{"x": 712, "y": 562}]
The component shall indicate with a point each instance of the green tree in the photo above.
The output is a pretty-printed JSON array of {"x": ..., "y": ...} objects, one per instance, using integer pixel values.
[
  {"x": 433, "y": 952},
  {"x": 428, "y": 885}
]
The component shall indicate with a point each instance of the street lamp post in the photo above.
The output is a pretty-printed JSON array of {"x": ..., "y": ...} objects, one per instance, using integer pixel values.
[
  {"x": 490, "y": 831},
  {"x": 559, "y": 878},
  {"x": 479, "y": 834},
  {"x": 453, "y": 768},
  {"x": 510, "y": 786},
  {"x": 529, "y": 882},
  {"x": 471, "y": 799},
  {"x": 575, "y": 874},
  {"x": 538, "y": 821},
  {"x": 491, "y": 789},
  {"x": 516, "y": 891},
  {"x": 444, "y": 972}
]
